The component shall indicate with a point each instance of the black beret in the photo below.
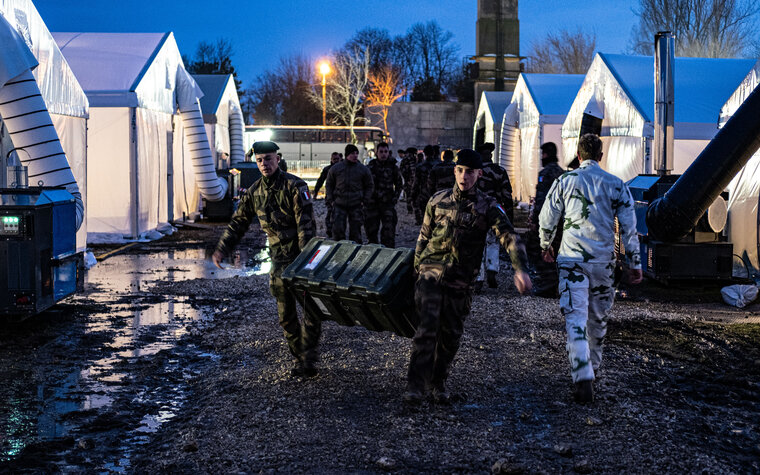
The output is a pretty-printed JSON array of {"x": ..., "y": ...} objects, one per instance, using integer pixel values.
[
  {"x": 351, "y": 148},
  {"x": 469, "y": 158},
  {"x": 265, "y": 146},
  {"x": 486, "y": 147}
]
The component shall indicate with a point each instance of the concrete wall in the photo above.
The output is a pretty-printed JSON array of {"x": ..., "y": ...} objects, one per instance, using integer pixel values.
[{"x": 416, "y": 124}]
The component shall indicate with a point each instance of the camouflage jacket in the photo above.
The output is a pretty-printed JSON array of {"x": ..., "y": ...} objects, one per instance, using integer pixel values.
[
  {"x": 348, "y": 184},
  {"x": 441, "y": 177},
  {"x": 453, "y": 235},
  {"x": 283, "y": 205},
  {"x": 546, "y": 178},
  {"x": 321, "y": 179},
  {"x": 387, "y": 180},
  {"x": 495, "y": 183},
  {"x": 420, "y": 187},
  {"x": 407, "y": 167},
  {"x": 590, "y": 199}
]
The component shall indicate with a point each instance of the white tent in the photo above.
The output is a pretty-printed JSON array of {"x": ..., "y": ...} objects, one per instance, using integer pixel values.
[
  {"x": 623, "y": 86},
  {"x": 63, "y": 97},
  {"x": 744, "y": 190},
  {"x": 141, "y": 171},
  {"x": 488, "y": 118},
  {"x": 221, "y": 109},
  {"x": 538, "y": 109}
]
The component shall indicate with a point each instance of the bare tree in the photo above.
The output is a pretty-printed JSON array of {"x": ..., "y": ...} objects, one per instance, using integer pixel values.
[
  {"x": 379, "y": 43},
  {"x": 703, "y": 28},
  {"x": 384, "y": 89},
  {"x": 213, "y": 58},
  {"x": 282, "y": 96},
  {"x": 562, "y": 53},
  {"x": 435, "y": 56},
  {"x": 346, "y": 88}
]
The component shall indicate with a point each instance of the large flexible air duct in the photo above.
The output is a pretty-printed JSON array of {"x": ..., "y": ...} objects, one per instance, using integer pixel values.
[
  {"x": 212, "y": 187},
  {"x": 28, "y": 121},
  {"x": 237, "y": 149},
  {"x": 672, "y": 216}
]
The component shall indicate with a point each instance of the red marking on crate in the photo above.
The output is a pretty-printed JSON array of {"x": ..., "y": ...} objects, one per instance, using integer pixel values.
[{"x": 314, "y": 256}]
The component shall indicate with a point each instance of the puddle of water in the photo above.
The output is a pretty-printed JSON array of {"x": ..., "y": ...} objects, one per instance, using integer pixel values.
[
  {"x": 126, "y": 273},
  {"x": 134, "y": 327}
]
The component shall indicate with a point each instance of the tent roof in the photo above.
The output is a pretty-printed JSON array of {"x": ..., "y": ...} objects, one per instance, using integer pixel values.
[
  {"x": 114, "y": 62},
  {"x": 553, "y": 94},
  {"x": 496, "y": 102},
  {"x": 57, "y": 82},
  {"x": 213, "y": 86},
  {"x": 702, "y": 85}
]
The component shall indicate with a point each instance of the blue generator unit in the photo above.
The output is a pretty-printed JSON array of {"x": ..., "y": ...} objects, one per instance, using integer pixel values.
[{"x": 39, "y": 263}]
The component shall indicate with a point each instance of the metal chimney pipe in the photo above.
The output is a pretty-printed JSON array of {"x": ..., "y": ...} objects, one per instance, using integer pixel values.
[
  {"x": 671, "y": 217},
  {"x": 664, "y": 62}
]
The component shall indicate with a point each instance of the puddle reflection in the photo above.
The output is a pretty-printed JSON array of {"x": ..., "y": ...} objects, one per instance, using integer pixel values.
[{"x": 134, "y": 326}]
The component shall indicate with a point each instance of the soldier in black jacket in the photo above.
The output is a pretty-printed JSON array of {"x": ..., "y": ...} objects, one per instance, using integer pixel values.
[
  {"x": 349, "y": 188},
  {"x": 441, "y": 176},
  {"x": 334, "y": 158}
]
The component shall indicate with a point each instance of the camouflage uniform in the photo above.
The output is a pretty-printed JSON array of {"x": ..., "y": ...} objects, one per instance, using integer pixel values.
[
  {"x": 328, "y": 206},
  {"x": 407, "y": 166},
  {"x": 348, "y": 188},
  {"x": 420, "y": 192},
  {"x": 283, "y": 206},
  {"x": 381, "y": 208},
  {"x": 495, "y": 183},
  {"x": 446, "y": 257},
  {"x": 546, "y": 280},
  {"x": 441, "y": 177},
  {"x": 590, "y": 199}
]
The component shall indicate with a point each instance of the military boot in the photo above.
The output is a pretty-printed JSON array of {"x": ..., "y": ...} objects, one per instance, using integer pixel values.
[
  {"x": 491, "y": 278},
  {"x": 440, "y": 395},
  {"x": 584, "y": 391},
  {"x": 297, "y": 370}
]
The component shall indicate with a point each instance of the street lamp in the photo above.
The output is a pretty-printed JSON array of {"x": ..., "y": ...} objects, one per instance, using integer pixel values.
[{"x": 324, "y": 69}]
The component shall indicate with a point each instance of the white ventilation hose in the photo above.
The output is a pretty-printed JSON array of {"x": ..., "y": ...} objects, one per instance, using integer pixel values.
[
  {"x": 28, "y": 121},
  {"x": 212, "y": 187},
  {"x": 237, "y": 149}
]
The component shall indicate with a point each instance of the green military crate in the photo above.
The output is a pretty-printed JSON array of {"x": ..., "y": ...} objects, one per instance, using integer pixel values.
[{"x": 352, "y": 284}]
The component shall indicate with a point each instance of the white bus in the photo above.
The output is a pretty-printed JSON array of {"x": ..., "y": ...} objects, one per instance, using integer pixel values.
[{"x": 307, "y": 148}]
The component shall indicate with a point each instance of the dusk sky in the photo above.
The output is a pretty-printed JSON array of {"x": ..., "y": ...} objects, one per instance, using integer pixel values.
[{"x": 263, "y": 31}]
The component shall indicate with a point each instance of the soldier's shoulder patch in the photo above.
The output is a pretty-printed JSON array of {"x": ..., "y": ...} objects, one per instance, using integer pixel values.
[
  {"x": 498, "y": 206},
  {"x": 305, "y": 194}
]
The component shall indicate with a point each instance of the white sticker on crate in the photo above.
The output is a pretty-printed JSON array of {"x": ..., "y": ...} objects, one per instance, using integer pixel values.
[
  {"x": 317, "y": 257},
  {"x": 321, "y": 305}
]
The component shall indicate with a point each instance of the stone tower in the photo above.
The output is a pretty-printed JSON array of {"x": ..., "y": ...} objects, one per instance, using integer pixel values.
[{"x": 498, "y": 46}]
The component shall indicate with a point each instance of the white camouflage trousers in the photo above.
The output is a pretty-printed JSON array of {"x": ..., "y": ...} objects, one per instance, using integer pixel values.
[
  {"x": 490, "y": 256},
  {"x": 586, "y": 298}
]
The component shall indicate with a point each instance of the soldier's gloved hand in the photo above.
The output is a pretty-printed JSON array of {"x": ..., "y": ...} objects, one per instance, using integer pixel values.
[
  {"x": 217, "y": 259},
  {"x": 522, "y": 282}
]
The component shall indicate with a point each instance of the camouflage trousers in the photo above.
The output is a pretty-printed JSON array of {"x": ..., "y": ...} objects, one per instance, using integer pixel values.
[
  {"x": 408, "y": 197},
  {"x": 490, "y": 256},
  {"x": 586, "y": 298},
  {"x": 355, "y": 218},
  {"x": 385, "y": 216},
  {"x": 303, "y": 340},
  {"x": 329, "y": 219},
  {"x": 419, "y": 209},
  {"x": 442, "y": 313}
]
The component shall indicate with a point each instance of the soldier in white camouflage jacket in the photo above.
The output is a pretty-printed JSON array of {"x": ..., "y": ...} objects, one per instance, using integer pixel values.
[{"x": 590, "y": 199}]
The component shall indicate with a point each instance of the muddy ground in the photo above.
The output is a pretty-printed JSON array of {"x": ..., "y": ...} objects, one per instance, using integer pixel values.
[{"x": 167, "y": 365}]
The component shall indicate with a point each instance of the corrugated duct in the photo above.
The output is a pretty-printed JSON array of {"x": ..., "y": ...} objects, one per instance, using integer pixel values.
[
  {"x": 28, "y": 121},
  {"x": 237, "y": 149},
  {"x": 210, "y": 185}
]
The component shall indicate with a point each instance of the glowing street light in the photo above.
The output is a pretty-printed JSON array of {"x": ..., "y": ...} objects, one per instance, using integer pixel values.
[{"x": 324, "y": 69}]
